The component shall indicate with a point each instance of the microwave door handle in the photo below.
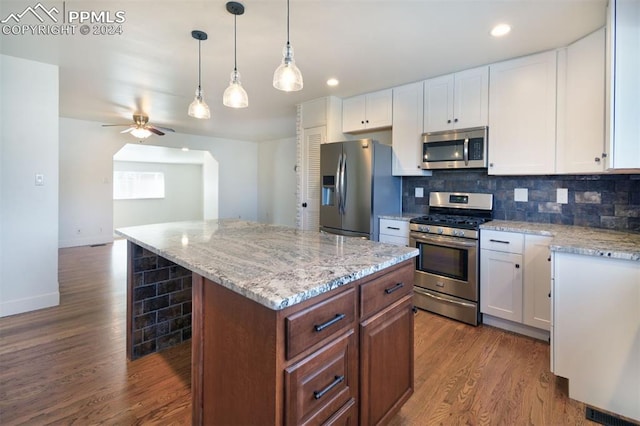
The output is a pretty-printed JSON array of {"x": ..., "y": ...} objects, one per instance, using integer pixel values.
[{"x": 466, "y": 151}]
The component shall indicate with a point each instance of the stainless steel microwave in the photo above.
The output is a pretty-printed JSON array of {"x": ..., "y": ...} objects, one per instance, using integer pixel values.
[{"x": 455, "y": 149}]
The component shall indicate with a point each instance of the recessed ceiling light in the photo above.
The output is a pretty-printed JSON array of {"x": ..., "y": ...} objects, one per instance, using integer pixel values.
[
  {"x": 332, "y": 82},
  {"x": 185, "y": 149},
  {"x": 500, "y": 30}
]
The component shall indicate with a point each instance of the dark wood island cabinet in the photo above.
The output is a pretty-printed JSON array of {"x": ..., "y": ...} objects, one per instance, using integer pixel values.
[{"x": 340, "y": 355}]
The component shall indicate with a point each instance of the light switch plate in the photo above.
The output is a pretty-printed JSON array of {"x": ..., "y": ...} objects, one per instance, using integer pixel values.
[
  {"x": 39, "y": 179},
  {"x": 521, "y": 194},
  {"x": 562, "y": 196},
  {"x": 419, "y": 192}
]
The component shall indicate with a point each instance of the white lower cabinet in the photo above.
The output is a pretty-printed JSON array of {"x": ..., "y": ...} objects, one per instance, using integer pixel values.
[
  {"x": 394, "y": 231},
  {"x": 596, "y": 323},
  {"x": 515, "y": 281}
]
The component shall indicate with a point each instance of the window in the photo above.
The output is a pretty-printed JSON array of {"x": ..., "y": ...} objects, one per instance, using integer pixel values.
[{"x": 137, "y": 185}]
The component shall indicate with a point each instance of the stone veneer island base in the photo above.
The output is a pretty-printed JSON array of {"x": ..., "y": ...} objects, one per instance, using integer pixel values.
[{"x": 288, "y": 327}]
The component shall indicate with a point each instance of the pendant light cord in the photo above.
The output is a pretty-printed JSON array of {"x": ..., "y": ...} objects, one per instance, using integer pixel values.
[
  {"x": 199, "y": 65},
  {"x": 287, "y": 22},
  {"x": 235, "y": 42}
]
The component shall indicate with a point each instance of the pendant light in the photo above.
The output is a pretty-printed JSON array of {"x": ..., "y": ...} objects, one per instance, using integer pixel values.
[
  {"x": 199, "y": 108},
  {"x": 287, "y": 76},
  {"x": 235, "y": 96}
]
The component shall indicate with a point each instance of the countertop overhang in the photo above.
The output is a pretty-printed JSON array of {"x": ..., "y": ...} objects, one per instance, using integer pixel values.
[
  {"x": 577, "y": 239},
  {"x": 275, "y": 266}
]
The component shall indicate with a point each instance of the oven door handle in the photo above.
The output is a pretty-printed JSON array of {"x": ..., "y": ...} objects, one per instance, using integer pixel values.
[
  {"x": 443, "y": 299},
  {"x": 443, "y": 241}
]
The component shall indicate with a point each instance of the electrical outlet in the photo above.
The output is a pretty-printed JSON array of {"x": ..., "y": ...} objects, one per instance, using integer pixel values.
[
  {"x": 521, "y": 194},
  {"x": 39, "y": 179},
  {"x": 419, "y": 193},
  {"x": 562, "y": 196}
]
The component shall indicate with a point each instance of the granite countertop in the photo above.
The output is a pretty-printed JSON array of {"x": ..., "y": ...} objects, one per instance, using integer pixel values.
[
  {"x": 273, "y": 265},
  {"x": 404, "y": 216},
  {"x": 577, "y": 239}
]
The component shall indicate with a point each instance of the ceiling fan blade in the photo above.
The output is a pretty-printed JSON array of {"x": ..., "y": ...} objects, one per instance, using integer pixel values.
[
  {"x": 154, "y": 130},
  {"x": 128, "y": 130},
  {"x": 164, "y": 129},
  {"x": 113, "y": 125}
]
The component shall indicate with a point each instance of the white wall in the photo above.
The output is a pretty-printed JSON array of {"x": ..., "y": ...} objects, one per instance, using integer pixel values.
[
  {"x": 182, "y": 199},
  {"x": 86, "y": 170},
  {"x": 28, "y": 213},
  {"x": 277, "y": 182}
]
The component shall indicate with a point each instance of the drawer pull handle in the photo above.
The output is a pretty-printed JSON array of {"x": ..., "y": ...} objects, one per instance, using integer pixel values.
[
  {"x": 395, "y": 228},
  {"x": 499, "y": 241},
  {"x": 332, "y": 321},
  {"x": 394, "y": 288},
  {"x": 336, "y": 382}
]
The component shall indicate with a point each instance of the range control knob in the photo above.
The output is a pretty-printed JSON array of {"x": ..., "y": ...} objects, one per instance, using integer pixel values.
[
  {"x": 440, "y": 230},
  {"x": 458, "y": 233}
]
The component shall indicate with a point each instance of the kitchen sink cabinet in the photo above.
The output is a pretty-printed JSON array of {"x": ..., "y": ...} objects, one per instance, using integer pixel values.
[
  {"x": 367, "y": 112},
  {"x": 596, "y": 318},
  {"x": 406, "y": 132},
  {"x": 623, "y": 84},
  {"x": 457, "y": 101},
  {"x": 580, "y": 145},
  {"x": 515, "y": 281},
  {"x": 522, "y": 115}
]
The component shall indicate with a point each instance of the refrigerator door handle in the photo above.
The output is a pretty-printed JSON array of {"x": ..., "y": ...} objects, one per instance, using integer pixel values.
[
  {"x": 337, "y": 186},
  {"x": 343, "y": 184}
]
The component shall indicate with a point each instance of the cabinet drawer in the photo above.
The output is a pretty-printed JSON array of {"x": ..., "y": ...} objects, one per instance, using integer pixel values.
[
  {"x": 508, "y": 242},
  {"x": 392, "y": 239},
  {"x": 383, "y": 291},
  {"x": 398, "y": 228},
  {"x": 318, "y": 387},
  {"x": 315, "y": 323}
]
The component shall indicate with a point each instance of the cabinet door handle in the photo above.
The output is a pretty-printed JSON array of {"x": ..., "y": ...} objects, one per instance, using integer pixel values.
[
  {"x": 336, "y": 381},
  {"x": 597, "y": 159},
  {"x": 499, "y": 241},
  {"x": 455, "y": 120},
  {"x": 549, "y": 295},
  {"x": 332, "y": 321},
  {"x": 390, "y": 290},
  {"x": 395, "y": 228},
  {"x": 517, "y": 266},
  {"x": 448, "y": 121}
]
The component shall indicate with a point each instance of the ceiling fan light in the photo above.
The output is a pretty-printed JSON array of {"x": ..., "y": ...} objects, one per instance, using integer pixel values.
[
  {"x": 140, "y": 133},
  {"x": 287, "y": 76},
  {"x": 199, "y": 108},
  {"x": 235, "y": 96}
]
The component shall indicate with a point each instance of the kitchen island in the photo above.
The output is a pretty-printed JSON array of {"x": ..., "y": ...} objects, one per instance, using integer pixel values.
[{"x": 288, "y": 326}]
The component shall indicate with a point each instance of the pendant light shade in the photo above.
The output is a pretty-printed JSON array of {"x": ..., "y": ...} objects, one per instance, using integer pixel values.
[
  {"x": 235, "y": 96},
  {"x": 140, "y": 133},
  {"x": 287, "y": 76},
  {"x": 199, "y": 108}
]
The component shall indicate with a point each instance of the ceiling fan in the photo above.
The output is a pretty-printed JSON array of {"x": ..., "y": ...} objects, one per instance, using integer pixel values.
[{"x": 140, "y": 128}]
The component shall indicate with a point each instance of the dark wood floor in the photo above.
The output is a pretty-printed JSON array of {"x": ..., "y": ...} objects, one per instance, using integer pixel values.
[{"x": 67, "y": 365}]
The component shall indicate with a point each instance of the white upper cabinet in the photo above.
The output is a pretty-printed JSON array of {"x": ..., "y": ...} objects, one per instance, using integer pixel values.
[
  {"x": 367, "y": 112},
  {"x": 522, "y": 115},
  {"x": 581, "y": 106},
  {"x": 325, "y": 112},
  {"x": 623, "y": 88},
  {"x": 457, "y": 101},
  {"x": 406, "y": 132}
]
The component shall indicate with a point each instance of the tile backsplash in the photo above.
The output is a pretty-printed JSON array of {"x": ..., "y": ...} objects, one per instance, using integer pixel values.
[{"x": 599, "y": 201}]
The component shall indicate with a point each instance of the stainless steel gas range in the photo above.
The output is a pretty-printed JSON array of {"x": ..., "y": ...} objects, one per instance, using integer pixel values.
[{"x": 447, "y": 268}]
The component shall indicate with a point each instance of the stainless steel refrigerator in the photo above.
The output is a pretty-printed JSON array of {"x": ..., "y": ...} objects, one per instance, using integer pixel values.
[{"x": 357, "y": 187}]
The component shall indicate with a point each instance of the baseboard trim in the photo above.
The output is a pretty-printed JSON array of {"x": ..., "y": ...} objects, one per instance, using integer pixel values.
[
  {"x": 515, "y": 327},
  {"x": 28, "y": 304}
]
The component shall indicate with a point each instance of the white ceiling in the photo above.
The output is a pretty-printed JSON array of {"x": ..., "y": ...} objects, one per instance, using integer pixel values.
[{"x": 366, "y": 44}]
